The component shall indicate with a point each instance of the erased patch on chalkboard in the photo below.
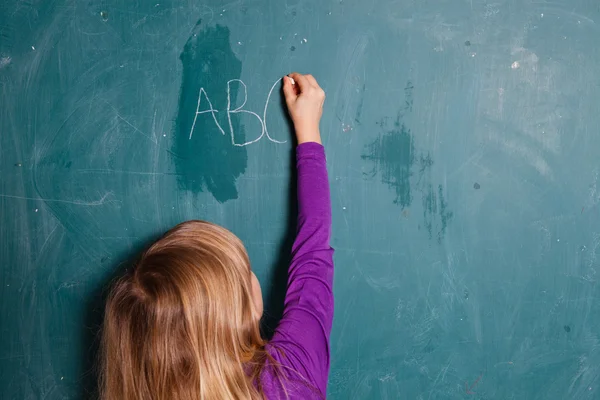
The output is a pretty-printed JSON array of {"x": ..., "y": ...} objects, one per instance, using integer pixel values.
[
  {"x": 393, "y": 152},
  {"x": 203, "y": 153},
  {"x": 435, "y": 211},
  {"x": 393, "y": 155},
  {"x": 407, "y": 171}
]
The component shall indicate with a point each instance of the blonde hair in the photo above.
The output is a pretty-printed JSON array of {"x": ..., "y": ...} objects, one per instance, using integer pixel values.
[{"x": 181, "y": 324}]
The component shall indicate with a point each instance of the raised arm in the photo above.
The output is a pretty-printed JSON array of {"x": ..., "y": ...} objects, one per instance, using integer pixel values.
[{"x": 305, "y": 328}]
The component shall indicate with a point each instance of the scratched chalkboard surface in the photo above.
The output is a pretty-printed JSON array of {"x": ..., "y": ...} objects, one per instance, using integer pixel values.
[{"x": 463, "y": 152}]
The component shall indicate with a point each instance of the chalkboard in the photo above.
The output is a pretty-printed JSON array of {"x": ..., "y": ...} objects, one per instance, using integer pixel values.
[{"x": 463, "y": 152}]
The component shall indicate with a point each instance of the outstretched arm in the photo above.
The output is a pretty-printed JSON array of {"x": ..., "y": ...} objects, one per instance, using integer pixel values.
[{"x": 308, "y": 314}]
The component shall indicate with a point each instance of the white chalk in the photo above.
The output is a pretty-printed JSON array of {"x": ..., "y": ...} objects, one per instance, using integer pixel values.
[{"x": 293, "y": 81}]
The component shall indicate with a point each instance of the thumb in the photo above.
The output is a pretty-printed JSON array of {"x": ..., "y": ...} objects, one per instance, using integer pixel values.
[{"x": 288, "y": 90}]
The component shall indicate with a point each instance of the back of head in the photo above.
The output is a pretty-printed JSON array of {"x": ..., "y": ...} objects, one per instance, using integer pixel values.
[{"x": 181, "y": 324}]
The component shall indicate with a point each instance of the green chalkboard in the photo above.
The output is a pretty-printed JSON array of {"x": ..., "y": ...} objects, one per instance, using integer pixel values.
[{"x": 463, "y": 152}]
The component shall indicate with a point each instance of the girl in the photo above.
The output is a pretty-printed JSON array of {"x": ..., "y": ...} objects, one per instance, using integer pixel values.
[{"x": 183, "y": 324}]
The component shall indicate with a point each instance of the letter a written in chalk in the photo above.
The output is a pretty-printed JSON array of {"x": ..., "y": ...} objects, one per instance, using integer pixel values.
[{"x": 209, "y": 110}]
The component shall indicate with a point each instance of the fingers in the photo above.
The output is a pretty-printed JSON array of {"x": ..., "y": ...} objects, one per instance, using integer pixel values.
[
  {"x": 303, "y": 85},
  {"x": 312, "y": 80},
  {"x": 301, "y": 80},
  {"x": 305, "y": 81},
  {"x": 288, "y": 90}
]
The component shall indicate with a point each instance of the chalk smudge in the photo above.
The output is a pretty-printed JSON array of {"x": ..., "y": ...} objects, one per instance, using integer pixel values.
[
  {"x": 393, "y": 152},
  {"x": 434, "y": 204},
  {"x": 208, "y": 160},
  {"x": 393, "y": 155},
  {"x": 359, "y": 108},
  {"x": 4, "y": 61},
  {"x": 403, "y": 169}
]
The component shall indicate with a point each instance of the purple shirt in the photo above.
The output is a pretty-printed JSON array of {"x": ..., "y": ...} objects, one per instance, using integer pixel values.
[{"x": 301, "y": 340}]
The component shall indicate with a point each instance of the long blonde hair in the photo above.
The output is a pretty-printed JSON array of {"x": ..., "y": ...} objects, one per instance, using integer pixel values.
[{"x": 181, "y": 324}]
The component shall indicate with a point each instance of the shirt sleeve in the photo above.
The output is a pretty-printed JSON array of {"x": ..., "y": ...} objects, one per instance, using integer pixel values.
[{"x": 304, "y": 330}]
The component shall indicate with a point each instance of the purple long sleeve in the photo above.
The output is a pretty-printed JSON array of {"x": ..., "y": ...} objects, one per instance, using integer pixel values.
[{"x": 301, "y": 341}]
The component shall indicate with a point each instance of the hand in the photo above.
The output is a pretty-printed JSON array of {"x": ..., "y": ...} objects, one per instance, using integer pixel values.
[{"x": 304, "y": 99}]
